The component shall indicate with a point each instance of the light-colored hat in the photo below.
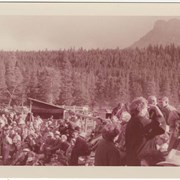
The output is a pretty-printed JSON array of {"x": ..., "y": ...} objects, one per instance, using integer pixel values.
[
  {"x": 26, "y": 150},
  {"x": 21, "y": 121},
  {"x": 83, "y": 134},
  {"x": 173, "y": 159},
  {"x": 50, "y": 134},
  {"x": 57, "y": 133}
]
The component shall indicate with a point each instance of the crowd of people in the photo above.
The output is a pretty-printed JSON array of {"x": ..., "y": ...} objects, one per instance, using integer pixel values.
[
  {"x": 29, "y": 140},
  {"x": 145, "y": 134},
  {"x": 141, "y": 133}
]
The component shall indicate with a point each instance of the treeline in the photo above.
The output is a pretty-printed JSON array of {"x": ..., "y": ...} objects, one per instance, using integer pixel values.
[{"x": 89, "y": 77}]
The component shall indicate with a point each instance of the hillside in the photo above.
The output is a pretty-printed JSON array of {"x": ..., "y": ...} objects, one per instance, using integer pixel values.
[
  {"x": 163, "y": 33},
  {"x": 90, "y": 77}
]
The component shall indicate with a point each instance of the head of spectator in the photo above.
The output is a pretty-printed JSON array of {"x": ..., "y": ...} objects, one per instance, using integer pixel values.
[
  {"x": 139, "y": 107},
  {"x": 152, "y": 100},
  {"x": 2, "y": 123},
  {"x": 50, "y": 135},
  {"x": 63, "y": 138},
  {"x": 75, "y": 134},
  {"x": 57, "y": 135},
  {"x": 16, "y": 138},
  {"x": 163, "y": 101},
  {"x": 125, "y": 117},
  {"x": 21, "y": 123},
  {"x": 14, "y": 124},
  {"x": 109, "y": 132},
  {"x": 6, "y": 130}
]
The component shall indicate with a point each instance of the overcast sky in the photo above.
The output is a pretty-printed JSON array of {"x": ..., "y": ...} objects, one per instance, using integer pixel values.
[{"x": 63, "y": 32}]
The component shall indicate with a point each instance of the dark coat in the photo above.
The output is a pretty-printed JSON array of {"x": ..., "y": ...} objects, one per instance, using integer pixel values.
[
  {"x": 80, "y": 148},
  {"x": 157, "y": 118},
  {"x": 107, "y": 154},
  {"x": 140, "y": 139}
]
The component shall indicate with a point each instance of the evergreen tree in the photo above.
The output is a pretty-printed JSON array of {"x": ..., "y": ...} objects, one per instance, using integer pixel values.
[
  {"x": 49, "y": 85},
  {"x": 66, "y": 88}
]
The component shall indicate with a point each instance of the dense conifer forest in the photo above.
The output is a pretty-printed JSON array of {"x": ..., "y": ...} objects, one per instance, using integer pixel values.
[{"x": 89, "y": 77}]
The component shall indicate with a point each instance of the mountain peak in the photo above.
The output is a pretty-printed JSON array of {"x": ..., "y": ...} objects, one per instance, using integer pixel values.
[{"x": 163, "y": 33}]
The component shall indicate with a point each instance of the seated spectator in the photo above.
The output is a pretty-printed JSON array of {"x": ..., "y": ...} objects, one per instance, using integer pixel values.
[{"x": 80, "y": 148}]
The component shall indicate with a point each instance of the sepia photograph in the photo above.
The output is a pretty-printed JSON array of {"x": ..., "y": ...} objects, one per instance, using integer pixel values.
[{"x": 89, "y": 90}]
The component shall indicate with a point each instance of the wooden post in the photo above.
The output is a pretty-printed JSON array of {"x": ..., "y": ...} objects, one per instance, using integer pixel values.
[{"x": 30, "y": 106}]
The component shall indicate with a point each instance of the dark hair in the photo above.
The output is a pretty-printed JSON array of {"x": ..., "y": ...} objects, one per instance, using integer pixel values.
[{"x": 109, "y": 132}]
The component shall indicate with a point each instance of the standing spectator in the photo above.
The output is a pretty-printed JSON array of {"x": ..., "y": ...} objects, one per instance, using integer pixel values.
[
  {"x": 166, "y": 108},
  {"x": 155, "y": 113},
  {"x": 140, "y": 133}
]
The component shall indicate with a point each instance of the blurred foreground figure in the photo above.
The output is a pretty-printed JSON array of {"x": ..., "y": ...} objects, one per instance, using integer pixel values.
[
  {"x": 151, "y": 158},
  {"x": 172, "y": 159},
  {"x": 106, "y": 153}
]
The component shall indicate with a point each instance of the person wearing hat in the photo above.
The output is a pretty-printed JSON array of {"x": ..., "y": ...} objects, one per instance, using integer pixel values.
[
  {"x": 57, "y": 142},
  {"x": 64, "y": 144},
  {"x": 47, "y": 146}
]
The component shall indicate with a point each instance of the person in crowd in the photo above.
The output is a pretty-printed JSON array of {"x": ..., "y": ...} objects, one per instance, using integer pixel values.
[
  {"x": 166, "y": 108},
  {"x": 140, "y": 132},
  {"x": 23, "y": 130},
  {"x": 151, "y": 158},
  {"x": 117, "y": 109},
  {"x": 120, "y": 142},
  {"x": 155, "y": 113},
  {"x": 37, "y": 123},
  {"x": 80, "y": 148},
  {"x": 3, "y": 116},
  {"x": 6, "y": 145},
  {"x": 99, "y": 126},
  {"x": 162, "y": 142},
  {"x": 172, "y": 159},
  {"x": 174, "y": 142},
  {"x": 106, "y": 153},
  {"x": 64, "y": 144},
  {"x": 47, "y": 147}
]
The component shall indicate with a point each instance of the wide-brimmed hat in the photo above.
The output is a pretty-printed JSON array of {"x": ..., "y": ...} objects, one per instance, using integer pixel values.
[{"x": 173, "y": 159}]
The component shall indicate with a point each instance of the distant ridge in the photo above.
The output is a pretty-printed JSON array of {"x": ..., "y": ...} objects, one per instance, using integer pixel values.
[{"x": 163, "y": 33}]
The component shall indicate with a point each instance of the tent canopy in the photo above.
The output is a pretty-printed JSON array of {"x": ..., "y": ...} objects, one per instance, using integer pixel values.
[{"x": 46, "y": 110}]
